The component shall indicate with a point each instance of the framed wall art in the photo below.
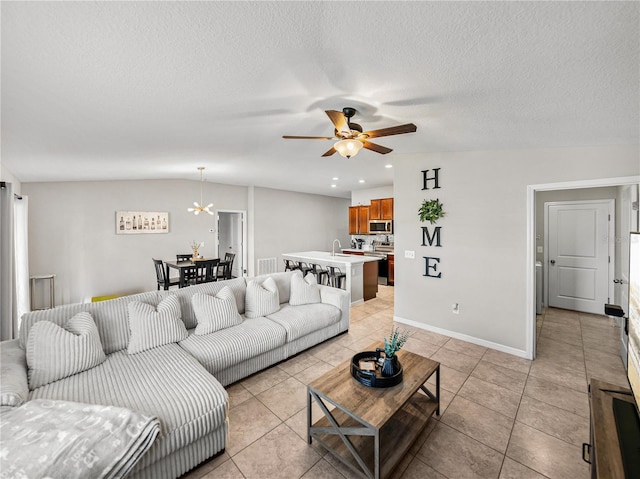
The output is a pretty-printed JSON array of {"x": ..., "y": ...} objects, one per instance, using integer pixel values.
[{"x": 141, "y": 222}]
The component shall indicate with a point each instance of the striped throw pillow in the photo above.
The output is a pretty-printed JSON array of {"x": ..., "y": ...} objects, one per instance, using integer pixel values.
[
  {"x": 304, "y": 290},
  {"x": 215, "y": 312},
  {"x": 151, "y": 327},
  {"x": 55, "y": 352},
  {"x": 261, "y": 299}
]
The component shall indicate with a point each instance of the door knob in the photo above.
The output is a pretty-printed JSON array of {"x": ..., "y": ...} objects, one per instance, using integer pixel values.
[{"x": 553, "y": 261}]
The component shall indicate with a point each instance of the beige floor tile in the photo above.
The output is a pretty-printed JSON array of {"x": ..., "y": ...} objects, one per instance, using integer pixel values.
[
  {"x": 298, "y": 363},
  {"x": 508, "y": 361},
  {"x": 560, "y": 396},
  {"x": 500, "y": 376},
  {"x": 496, "y": 398},
  {"x": 450, "y": 378},
  {"x": 605, "y": 345},
  {"x": 478, "y": 422},
  {"x": 339, "y": 356},
  {"x": 455, "y": 360},
  {"x": 248, "y": 422},
  {"x": 207, "y": 466},
  {"x": 420, "y": 440},
  {"x": 311, "y": 373},
  {"x": 546, "y": 454},
  {"x": 562, "y": 354},
  {"x": 550, "y": 371},
  {"x": 514, "y": 470},
  {"x": 465, "y": 347},
  {"x": 286, "y": 398},
  {"x": 417, "y": 469},
  {"x": 264, "y": 380},
  {"x": 431, "y": 337},
  {"x": 322, "y": 470},
  {"x": 227, "y": 470},
  {"x": 422, "y": 348},
  {"x": 554, "y": 421},
  {"x": 614, "y": 374},
  {"x": 278, "y": 454},
  {"x": 456, "y": 455},
  {"x": 613, "y": 361},
  {"x": 237, "y": 394}
]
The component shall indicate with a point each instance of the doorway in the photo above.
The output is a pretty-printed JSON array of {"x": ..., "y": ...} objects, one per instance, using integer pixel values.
[
  {"x": 579, "y": 256},
  {"x": 232, "y": 238}
]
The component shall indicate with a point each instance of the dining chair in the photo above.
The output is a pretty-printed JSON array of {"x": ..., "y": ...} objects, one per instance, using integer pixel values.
[
  {"x": 183, "y": 257},
  {"x": 206, "y": 271},
  {"x": 190, "y": 273},
  {"x": 225, "y": 266},
  {"x": 161, "y": 276}
]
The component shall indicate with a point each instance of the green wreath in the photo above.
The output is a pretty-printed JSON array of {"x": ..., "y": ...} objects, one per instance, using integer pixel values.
[{"x": 430, "y": 210}]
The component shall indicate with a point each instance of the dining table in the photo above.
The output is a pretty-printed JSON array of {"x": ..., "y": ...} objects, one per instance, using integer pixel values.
[{"x": 185, "y": 266}]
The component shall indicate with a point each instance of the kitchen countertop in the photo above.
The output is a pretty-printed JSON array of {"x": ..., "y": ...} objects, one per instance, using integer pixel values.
[
  {"x": 325, "y": 256},
  {"x": 366, "y": 251}
]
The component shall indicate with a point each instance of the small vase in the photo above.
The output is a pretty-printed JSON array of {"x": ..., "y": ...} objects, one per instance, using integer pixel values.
[{"x": 390, "y": 366}]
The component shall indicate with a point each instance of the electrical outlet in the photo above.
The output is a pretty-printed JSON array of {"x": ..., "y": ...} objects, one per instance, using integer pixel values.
[
  {"x": 455, "y": 308},
  {"x": 410, "y": 254},
  {"x": 211, "y": 230},
  {"x": 539, "y": 249}
]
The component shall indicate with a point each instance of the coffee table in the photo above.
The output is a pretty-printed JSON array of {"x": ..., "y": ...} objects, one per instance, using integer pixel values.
[{"x": 371, "y": 429}]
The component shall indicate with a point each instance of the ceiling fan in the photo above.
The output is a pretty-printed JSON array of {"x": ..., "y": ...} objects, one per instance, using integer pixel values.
[{"x": 350, "y": 137}]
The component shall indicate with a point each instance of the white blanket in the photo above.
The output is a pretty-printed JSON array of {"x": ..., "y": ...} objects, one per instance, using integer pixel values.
[{"x": 63, "y": 439}]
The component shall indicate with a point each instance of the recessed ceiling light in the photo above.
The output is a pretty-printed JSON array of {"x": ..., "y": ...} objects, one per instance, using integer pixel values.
[
  {"x": 333, "y": 186},
  {"x": 335, "y": 178},
  {"x": 360, "y": 181},
  {"x": 388, "y": 166}
]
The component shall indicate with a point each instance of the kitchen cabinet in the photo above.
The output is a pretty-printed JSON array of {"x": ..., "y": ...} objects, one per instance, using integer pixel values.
[
  {"x": 358, "y": 220},
  {"x": 390, "y": 278},
  {"x": 381, "y": 209},
  {"x": 357, "y": 253}
]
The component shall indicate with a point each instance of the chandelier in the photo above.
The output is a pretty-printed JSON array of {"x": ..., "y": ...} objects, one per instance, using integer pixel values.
[{"x": 198, "y": 206}]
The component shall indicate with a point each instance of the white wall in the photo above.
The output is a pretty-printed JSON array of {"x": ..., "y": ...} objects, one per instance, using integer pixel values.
[
  {"x": 364, "y": 197},
  {"x": 287, "y": 222},
  {"x": 72, "y": 231},
  {"x": 483, "y": 257}
]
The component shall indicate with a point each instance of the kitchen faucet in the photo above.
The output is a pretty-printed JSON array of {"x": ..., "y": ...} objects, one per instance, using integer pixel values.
[{"x": 333, "y": 247}]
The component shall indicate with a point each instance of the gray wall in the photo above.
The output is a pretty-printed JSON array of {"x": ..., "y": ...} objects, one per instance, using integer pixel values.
[
  {"x": 72, "y": 229},
  {"x": 288, "y": 222},
  {"x": 483, "y": 257}
]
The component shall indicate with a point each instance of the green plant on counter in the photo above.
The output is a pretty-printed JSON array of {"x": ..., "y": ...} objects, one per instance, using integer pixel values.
[
  {"x": 431, "y": 211},
  {"x": 395, "y": 342}
]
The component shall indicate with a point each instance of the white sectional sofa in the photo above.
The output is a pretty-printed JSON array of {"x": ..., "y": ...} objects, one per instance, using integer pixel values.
[{"x": 181, "y": 382}]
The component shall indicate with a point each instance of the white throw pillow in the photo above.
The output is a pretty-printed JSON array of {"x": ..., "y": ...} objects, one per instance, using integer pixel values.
[
  {"x": 304, "y": 290},
  {"x": 261, "y": 299},
  {"x": 55, "y": 352},
  {"x": 215, "y": 312},
  {"x": 151, "y": 328}
]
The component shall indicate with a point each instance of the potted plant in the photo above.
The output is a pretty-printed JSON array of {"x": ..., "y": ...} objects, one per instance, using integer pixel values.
[
  {"x": 392, "y": 345},
  {"x": 195, "y": 246}
]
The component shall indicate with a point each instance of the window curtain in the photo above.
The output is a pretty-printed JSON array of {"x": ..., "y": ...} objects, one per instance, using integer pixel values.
[{"x": 14, "y": 268}]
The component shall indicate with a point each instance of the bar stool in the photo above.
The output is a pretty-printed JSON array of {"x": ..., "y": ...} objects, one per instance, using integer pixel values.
[
  {"x": 337, "y": 278},
  {"x": 289, "y": 265},
  {"x": 304, "y": 267},
  {"x": 320, "y": 273}
]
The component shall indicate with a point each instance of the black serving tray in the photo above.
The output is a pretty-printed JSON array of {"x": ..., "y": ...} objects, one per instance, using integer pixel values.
[{"x": 370, "y": 378}]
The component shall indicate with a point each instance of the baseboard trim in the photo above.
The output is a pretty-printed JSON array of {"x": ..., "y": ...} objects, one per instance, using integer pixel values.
[{"x": 464, "y": 337}]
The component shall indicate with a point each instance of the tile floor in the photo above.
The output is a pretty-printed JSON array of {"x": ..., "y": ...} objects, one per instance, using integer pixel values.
[{"x": 502, "y": 416}]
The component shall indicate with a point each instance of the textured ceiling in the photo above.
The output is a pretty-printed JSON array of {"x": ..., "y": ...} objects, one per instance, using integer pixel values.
[{"x": 142, "y": 90}]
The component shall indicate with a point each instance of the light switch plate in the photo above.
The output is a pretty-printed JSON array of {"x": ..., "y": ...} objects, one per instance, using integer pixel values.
[{"x": 410, "y": 254}]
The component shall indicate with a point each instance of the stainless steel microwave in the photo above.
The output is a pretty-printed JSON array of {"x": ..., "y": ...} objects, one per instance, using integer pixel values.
[{"x": 384, "y": 227}]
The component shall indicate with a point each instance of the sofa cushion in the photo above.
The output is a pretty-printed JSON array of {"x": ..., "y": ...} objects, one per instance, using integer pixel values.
[
  {"x": 282, "y": 280},
  {"x": 262, "y": 298},
  {"x": 304, "y": 290},
  {"x": 55, "y": 352},
  {"x": 233, "y": 345},
  {"x": 215, "y": 312},
  {"x": 299, "y": 321},
  {"x": 166, "y": 382},
  {"x": 237, "y": 285},
  {"x": 151, "y": 327},
  {"x": 14, "y": 388}
]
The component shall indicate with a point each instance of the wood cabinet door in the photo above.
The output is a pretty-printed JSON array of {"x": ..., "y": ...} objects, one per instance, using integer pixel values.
[
  {"x": 363, "y": 220},
  {"x": 375, "y": 210},
  {"x": 353, "y": 220},
  {"x": 390, "y": 279},
  {"x": 386, "y": 208}
]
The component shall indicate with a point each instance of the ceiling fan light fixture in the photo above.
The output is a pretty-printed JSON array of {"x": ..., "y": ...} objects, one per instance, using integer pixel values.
[{"x": 348, "y": 148}]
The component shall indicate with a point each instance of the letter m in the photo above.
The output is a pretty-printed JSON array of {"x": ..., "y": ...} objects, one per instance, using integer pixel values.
[{"x": 428, "y": 238}]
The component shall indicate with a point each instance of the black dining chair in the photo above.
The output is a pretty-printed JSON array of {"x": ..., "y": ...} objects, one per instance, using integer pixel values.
[
  {"x": 225, "y": 266},
  {"x": 190, "y": 273},
  {"x": 206, "y": 271},
  {"x": 161, "y": 276},
  {"x": 183, "y": 257}
]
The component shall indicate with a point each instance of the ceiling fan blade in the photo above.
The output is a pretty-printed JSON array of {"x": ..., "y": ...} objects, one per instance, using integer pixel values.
[
  {"x": 330, "y": 152},
  {"x": 392, "y": 130},
  {"x": 377, "y": 148},
  {"x": 289, "y": 137},
  {"x": 339, "y": 120}
]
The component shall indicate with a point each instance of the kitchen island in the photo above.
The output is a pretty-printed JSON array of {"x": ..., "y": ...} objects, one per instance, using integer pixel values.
[{"x": 361, "y": 271}]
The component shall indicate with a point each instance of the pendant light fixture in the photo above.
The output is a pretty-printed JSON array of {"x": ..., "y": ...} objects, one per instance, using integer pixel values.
[
  {"x": 348, "y": 148},
  {"x": 198, "y": 206}
]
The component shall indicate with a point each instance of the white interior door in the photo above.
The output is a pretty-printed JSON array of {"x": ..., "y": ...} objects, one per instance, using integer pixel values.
[
  {"x": 578, "y": 254},
  {"x": 628, "y": 223},
  {"x": 231, "y": 239}
]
